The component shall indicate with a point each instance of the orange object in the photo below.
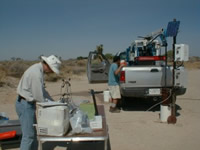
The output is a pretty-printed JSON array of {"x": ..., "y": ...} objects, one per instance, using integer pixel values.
[
  {"x": 7, "y": 135},
  {"x": 123, "y": 62}
]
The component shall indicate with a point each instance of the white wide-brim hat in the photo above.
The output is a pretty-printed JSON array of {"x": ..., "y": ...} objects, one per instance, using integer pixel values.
[{"x": 53, "y": 62}]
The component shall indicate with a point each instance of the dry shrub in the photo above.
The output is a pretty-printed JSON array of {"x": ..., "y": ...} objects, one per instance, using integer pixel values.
[
  {"x": 69, "y": 68},
  {"x": 74, "y": 62},
  {"x": 66, "y": 70},
  {"x": 82, "y": 62},
  {"x": 78, "y": 70},
  {"x": 70, "y": 62},
  {"x": 5, "y": 80},
  {"x": 2, "y": 75},
  {"x": 52, "y": 77},
  {"x": 192, "y": 65},
  {"x": 17, "y": 68},
  {"x": 73, "y": 67}
]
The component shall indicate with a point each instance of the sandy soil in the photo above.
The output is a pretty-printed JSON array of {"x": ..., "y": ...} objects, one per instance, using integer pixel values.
[{"x": 134, "y": 127}]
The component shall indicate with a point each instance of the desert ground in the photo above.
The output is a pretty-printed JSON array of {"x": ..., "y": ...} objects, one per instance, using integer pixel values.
[{"x": 133, "y": 128}]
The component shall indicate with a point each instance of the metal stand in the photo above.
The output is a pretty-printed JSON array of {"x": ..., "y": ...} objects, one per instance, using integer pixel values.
[{"x": 172, "y": 119}]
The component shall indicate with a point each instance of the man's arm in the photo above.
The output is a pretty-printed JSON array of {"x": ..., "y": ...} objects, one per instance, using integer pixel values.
[
  {"x": 119, "y": 69},
  {"x": 46, "y": 95},
  {"x": 37, "y": 88}
]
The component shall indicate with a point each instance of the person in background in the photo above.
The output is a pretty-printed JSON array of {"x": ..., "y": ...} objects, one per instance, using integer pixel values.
[
  {"x": 31, "y": 90},
  {"x": 113, "y": 83}
]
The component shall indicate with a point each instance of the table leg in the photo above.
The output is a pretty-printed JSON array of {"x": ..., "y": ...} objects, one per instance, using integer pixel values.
[
  {"x": 106, "y": 144},
  {"x": 40, "y": 145}
]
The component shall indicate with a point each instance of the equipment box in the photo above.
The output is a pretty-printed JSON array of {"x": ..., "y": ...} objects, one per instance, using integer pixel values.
[{"x": 52, "y": 119}]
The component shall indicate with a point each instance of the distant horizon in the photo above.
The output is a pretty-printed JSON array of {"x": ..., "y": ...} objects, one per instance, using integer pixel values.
[
  {"x": 84, "y": 57},
  {"x": 74, "y": 28}
]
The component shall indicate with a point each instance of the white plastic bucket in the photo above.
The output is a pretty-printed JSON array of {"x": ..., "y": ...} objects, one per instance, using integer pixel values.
[
  {"x": 106, "y": 96},
  {"x": 165, "y": 112}
]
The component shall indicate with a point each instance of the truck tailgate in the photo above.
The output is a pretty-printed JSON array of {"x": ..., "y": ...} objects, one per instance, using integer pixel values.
[{"x": 147, "y": 76}]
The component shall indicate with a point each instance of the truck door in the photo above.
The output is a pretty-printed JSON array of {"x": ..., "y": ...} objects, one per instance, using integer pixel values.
[{"x": 97, "y": 68}]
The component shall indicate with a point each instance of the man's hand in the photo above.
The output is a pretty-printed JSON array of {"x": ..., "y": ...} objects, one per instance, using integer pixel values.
[
  {"x": 122, "y": 65},
  {"x": 119, "y": 69}
]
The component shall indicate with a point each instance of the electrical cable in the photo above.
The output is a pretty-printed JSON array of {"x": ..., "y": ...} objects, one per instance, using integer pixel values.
[
  {"x": 161, "y": 101},
  {"x": 68, "y": 93},
  {"x": 179, "y": 65}
]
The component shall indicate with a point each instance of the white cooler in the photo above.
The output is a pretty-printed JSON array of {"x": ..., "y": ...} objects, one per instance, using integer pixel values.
[{"x": 52, "y": 118}]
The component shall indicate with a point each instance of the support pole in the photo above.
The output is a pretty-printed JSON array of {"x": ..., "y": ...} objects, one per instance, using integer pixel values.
[
  {"x": 172, "y": 119},
  {"x": 94, "y": 101}
]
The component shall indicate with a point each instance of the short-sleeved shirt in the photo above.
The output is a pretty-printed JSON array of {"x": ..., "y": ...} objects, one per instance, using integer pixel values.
[{"x": 112, "y": 78}]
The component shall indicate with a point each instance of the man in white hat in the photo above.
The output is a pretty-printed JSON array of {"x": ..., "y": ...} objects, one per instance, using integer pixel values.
[{"x": 30, "y": 90}]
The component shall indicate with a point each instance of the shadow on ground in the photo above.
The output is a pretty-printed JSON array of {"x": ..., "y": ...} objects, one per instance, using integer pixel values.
[{"x": 139, "y": 104}]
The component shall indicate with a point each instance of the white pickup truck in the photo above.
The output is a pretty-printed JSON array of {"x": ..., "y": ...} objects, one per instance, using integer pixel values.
[
  {"x": 148, "y": 70},
  {"x": 146, "y": 73}
]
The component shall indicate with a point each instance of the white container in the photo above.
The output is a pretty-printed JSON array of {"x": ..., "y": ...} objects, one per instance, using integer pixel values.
[
  {"x": 106, "y": 96},
  {"x": 52, "y": 120},
  {"x": 123, "y": 62},
  {"x": 96, "y": 123},
  {"x": 181, "y": 52},
  {"x": 165, "y": 112}
]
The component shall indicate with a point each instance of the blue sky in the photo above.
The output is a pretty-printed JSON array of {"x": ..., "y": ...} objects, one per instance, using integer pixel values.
[{"x": 72, "y": 28}]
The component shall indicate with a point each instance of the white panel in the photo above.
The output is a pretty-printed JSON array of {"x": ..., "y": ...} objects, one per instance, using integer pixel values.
[{"x": 181, "y": 52}]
